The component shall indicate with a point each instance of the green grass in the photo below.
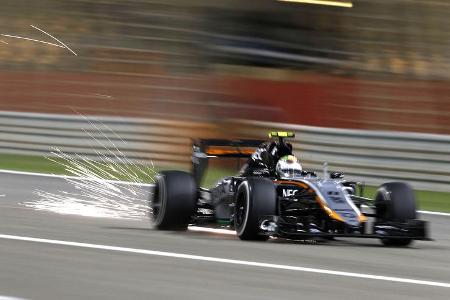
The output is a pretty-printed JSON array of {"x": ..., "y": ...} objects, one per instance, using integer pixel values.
[
  {"x": 41, "y": 164},
  {"x": 427, "y": 200},
  {"x": 27, "y": 163}
]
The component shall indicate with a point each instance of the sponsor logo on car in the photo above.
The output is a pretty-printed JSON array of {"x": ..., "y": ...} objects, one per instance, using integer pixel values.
[{"x": 289, "y": 192}]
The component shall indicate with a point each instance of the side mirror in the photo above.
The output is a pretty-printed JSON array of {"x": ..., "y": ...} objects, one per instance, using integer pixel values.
[{"x": 337, "y": 175}]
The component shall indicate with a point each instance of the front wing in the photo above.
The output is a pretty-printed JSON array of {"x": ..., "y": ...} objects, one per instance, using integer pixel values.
[{"x": 413, "y": 229}]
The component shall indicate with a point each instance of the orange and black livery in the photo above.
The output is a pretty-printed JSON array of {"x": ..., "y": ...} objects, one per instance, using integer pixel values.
[{"x": 263, "y": 203}]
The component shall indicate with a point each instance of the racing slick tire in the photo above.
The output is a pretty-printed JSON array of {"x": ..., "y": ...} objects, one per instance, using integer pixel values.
[
  {"x": 395, "y": 201},
  {"x": 256, "y": 197},
  {"x": 173, "y": 201}
]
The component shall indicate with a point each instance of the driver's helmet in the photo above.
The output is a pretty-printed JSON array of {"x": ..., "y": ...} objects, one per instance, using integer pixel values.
[{"x": 288, "y": 167}]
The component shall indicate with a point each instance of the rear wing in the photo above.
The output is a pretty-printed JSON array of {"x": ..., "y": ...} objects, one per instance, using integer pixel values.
[
  {"x": 204, "y": 149},
  {"x": 227, "y": 148}
]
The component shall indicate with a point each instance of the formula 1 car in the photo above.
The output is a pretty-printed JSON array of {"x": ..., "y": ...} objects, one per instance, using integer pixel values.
[{"x": 301, "y": 207}]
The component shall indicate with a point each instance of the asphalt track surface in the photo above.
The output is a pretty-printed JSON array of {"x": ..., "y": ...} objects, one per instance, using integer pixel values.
[{"x": 46, "y": 270}]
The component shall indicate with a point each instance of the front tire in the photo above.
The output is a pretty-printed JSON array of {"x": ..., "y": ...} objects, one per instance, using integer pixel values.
[
  {"x": 395, "y": 201},
  {"x": 173, "y": 201},
  {"x": 256, "y": 197}
]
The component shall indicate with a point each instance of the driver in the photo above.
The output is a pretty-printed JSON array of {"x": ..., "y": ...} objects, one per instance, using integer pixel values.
[
  {"x": 288, "y": 167},
  {"x": 263, "y": 161}
]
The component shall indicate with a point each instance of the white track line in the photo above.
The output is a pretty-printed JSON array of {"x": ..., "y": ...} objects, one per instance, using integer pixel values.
[
  {"x": 150, "y": 185},
  {"x": 226, "y": 261},
  {"x": 73, "y": 177},
  {"x": 436, "y": 213}
]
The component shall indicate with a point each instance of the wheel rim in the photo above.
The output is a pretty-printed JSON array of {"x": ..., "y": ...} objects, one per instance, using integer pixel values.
[
  {"x": 382, "y": 199},
  {"x": 241, "y": 208},
  {"x": 158, "y": 204}
]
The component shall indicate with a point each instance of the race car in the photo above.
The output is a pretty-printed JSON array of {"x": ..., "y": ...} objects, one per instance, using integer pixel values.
[{"x": 282, "y": 202}]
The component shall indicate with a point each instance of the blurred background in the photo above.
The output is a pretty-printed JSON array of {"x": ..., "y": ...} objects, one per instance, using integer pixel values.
[
  {"x": 378, "y": 65},
  {"x": 365, "y": 85}
]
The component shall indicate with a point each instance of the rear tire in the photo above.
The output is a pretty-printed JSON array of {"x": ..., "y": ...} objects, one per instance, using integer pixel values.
[
  {"x": 395, "y": 201},
  {"x": 173, "y": 201},
  {"x": 256, "y": 197}
]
